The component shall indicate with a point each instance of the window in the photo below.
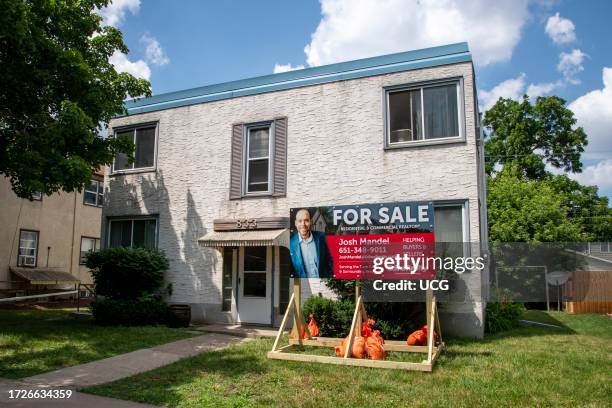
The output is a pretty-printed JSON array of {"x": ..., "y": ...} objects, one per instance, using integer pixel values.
[
  {"x": 228, "y": 259},
  {"x": 88, "y": 245},
  {"x": 257, "y": 159},
  {"x": 143, "y": 138},
  {"x": 28, "y": 248},
  {"x": 139, "y": 232},
  {"x": 417, "y": 115},
  {"x": 449, "y": 232},
  {"x": 36, "y": 196},
  {"x": 255, "y": 271},
  {"x": 94, "y": 194}
]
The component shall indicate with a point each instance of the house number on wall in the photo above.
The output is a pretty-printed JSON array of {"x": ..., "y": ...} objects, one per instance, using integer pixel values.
[{"x": 246, "y": 223}]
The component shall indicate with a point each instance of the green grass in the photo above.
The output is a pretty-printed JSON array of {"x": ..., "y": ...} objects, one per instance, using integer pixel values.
[
  {"x": 528, "y": 366},
  {"x": 33, "y": 342}
]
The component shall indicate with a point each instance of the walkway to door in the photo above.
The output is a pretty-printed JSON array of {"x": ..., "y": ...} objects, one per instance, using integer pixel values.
[{"x": 248, "y": 331}]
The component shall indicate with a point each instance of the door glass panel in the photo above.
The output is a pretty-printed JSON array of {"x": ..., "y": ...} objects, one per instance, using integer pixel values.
[
  {"x": 255, "y": 284},
  {"x": 255, "y": 258}
]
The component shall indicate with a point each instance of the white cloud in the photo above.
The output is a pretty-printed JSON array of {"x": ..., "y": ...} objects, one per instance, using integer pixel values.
[
  {"x": 154, "y": 53},
  {"x": 278, "y": 68},
  {"x": 593, "y": 112},
  {"x": 510, "y": 88},
  {"x": 115, "y": 12},
  {"x": 599, "y": 174},
  {"x": 570, "y": 64},
  {"x": 541, "y": 89},
  {"x": 560, "y": 30},
  {"x": 138, "y": 68},
  {"x": 351, "y": 29}
]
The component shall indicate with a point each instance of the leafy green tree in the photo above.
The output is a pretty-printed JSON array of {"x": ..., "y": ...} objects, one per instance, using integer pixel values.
[
  {"x": 528, "y": 211},
  {"x": 57, "y": 88},
  {"x": 527, "y": 136},
  {"x": 585, "y": 207}
]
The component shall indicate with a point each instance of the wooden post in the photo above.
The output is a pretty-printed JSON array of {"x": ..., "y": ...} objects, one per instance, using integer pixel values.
[
  {"x": 428, "y": 299},
  {"x": 357, "y": 302},
  {"x": 349, "y": 344},
  {"x": 298, "y": 319},
  {"x": 430, "y": 329},
  {"x": 281, "y": 329}
]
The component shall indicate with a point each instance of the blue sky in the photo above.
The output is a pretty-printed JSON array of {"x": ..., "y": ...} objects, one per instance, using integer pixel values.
[{"x": 541, "y": 47}]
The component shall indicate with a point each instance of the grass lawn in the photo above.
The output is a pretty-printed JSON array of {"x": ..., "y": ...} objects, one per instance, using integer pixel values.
[
  {"x": 33, "y": 342},
  {"x": 528, "y": 366}
]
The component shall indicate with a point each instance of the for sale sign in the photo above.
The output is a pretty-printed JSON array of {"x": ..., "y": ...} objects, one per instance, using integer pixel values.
[{"x": 349, "y": 241}]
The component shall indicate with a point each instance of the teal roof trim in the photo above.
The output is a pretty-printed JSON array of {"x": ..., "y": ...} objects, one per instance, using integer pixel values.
[{"x": 404, "y": 61}]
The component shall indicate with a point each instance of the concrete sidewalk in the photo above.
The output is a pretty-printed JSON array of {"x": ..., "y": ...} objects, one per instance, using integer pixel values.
[{"x": 108, "y": 370}]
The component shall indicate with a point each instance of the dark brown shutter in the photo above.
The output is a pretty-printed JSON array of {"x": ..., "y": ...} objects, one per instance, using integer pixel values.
[
  {"x": 280, "y": 158},
  {"x": 236, "y": 169}
]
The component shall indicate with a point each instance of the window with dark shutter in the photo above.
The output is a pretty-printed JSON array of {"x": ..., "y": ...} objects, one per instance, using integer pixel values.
[{"x": 259, "y": 159}]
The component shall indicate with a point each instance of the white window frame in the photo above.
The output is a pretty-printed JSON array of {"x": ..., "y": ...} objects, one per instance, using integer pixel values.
[
  {"x": 247, "y": 130},
  {"x": 96, "y": 247},
  {"x": 98, "y": 193},
  {"x": 465, "y": 225},
  {"x": 132, "y": 219},
  {"x": 133, "y": 128},
  {"x": 20, "y": 257},
  {"x": 420, "y": 86}
]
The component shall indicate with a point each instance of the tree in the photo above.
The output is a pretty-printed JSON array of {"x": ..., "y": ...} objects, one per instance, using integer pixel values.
[
  {"x": 528, "y": 211},
  {"x": 57, "y": 88},
  {"x": 527, "y": 136}
]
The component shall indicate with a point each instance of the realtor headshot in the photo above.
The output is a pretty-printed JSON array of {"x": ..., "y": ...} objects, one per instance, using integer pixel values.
[{"x": 310, "y": 257}]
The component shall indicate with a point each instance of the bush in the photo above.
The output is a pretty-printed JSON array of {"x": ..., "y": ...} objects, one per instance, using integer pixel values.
[
  {"x": 127, "y": 273},
  {"x": 502, "y": 316},
  {"x": 394, "y": 320},
  {"x": 333, "y": 317},
  {"x": 145, "y": 310}
]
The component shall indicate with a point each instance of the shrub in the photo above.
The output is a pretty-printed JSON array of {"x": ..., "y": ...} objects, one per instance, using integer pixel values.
[
  {"x": 333, "y": 317},
  {"x": 146, "y": 310},
  {"x": 394, "y": 320},
  {"x": 127, "y": 273},
  {"x": 502, "y": 316}
]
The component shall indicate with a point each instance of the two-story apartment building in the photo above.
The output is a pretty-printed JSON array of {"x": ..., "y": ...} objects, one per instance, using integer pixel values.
[
  {"x": 43, "y": 239},
  {"x": 217, "y": 169}
]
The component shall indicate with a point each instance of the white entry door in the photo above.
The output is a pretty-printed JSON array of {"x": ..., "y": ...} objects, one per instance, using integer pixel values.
[{"x": 255, "y": 285}]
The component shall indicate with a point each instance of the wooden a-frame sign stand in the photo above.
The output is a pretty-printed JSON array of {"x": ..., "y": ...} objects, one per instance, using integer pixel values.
[{"x": 294, "y": 310}]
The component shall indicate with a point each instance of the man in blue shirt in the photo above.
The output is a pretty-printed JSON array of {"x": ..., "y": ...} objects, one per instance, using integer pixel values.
[{"x": 310, "y": 255}]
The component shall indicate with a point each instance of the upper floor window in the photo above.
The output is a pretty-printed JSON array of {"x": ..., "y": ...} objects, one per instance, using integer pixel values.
[
  {"x": 143, "y": 138},
  {"x": 259, "y": 159},
  {"x": 137, "y": 232},
  {"x": 28, "y": 248},
  {"x": 257, "y": 177},
  {"x": 425, "y": 114},
  {"x": 94, "y": 193}
]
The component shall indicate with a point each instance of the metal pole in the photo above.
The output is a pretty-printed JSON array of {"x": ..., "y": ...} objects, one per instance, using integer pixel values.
[{"x": 546, "y": 283}]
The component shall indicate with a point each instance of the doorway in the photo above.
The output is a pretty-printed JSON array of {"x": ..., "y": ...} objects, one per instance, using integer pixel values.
[{"x": 255, "y": 284}]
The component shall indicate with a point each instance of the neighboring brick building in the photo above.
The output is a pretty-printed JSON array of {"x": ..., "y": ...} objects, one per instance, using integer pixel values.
[
  {"x": 221, "y": 158},
  {"x": 42, "y": 239}
]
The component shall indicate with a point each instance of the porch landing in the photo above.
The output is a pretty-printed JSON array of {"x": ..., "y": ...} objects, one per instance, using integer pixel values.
[{"x": 248, "y": 331}]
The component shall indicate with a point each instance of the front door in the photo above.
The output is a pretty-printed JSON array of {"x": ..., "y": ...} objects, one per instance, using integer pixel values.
[{"x": 255, "y": 285}]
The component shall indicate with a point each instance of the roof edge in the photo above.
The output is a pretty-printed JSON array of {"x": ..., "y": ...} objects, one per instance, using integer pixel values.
[{"x": 403, "y": 61}]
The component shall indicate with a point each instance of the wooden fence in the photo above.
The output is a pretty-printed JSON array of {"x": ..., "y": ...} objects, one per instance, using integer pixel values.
[{"x": 588, "y": 292}]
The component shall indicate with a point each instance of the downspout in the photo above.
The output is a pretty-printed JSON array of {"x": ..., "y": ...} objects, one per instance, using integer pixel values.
[{"x": 73, "y": 232}]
